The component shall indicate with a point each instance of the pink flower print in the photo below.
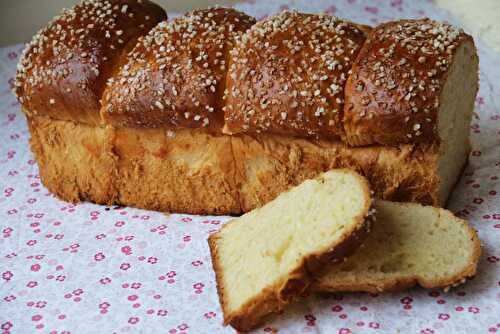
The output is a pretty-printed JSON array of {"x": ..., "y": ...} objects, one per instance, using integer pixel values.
[
  {"x": 198, "y": 287},
  {"x": 100, "y": 236},
  {"x": 36, "y": 317},
  {"x": 9, "y": 298},
  {"x": 170, "y": 275},
  {"x": 152, "y": 260},
  {"x": 99, "y": 256},
  {"x": 125, "y": 266},
  {"x": 186, "y": 238},
  {"x": 337, "y": 308},
  {"x": 104, "y": 305},
  {"x": 127, "y": 250},
  {"x": 345, "y": 331},
  {"x": 311, "y": 319},
  {"x": 427, "y": 331},
  {"x": 371, "y": 9},
  {"x": 105, "y": 280},
  {"x": 493, "y": 259},
  {"x": 374, "y": 325},
  {"x": 40, "y": 304},
  {"x": 210, "y": 315},
  {"x": 35, "y": 267},
  {"x": 6, "y": 326},
  {"x": 135, "y": 285},
  {"x": 183, "y": 327},
  {"x": 406, "y": 300},
  {"x": 186, "y": 219},
  {"x": 477, "y": 200},
  {"x": 120, "y": 223},
  {"x": 161, "y": 313},
  {"x": 12, "y": 56},
  {"x": 77, "y": 292},
  {"x": 59, "y": 236},
  {"x": 129, "y": 238},
  {"x": 7, "y": 275},
  {"x": 31, "y": 242},
  {"x": 11, "y": 211},
  {"x": 32, "y": 284},
  {"x": 441, "y": 301},
  {"x": 7, "y": 232},
  {"x": 132, "y": 298},
  {"x": 330, "y": 10},
  {"x": 459, "y": 308},
  {"x": 473, "y": 309},
  {"x": 60, "y": 278},
  {"x": 443, "y": 316},
  {"x": 133, "y": 320},
  {"x": 197, "y": 263}
]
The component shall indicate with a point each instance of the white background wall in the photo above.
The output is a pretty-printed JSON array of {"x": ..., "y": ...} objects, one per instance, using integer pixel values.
[{"x": 20, "y": 19}]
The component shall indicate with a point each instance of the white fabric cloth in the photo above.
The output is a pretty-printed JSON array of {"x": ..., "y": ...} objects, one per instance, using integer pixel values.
[{"x": 90, "y": 269}]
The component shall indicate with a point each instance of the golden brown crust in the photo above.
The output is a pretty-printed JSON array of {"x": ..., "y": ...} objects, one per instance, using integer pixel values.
[
  {"x": 175, "y": 76},
  {"x": 63, "y": 70},
  {"x": 287, "y": 75},
  {"x": 187, "y": 171},
  {"x": 166, "y": 170},
  {"x": 274, "y": 297},
  {"x": 270, "y": 164},
  {"x": 76, "y": 161},
  {"x": 394, "y": 91},
  {"x": 183, "y": 171}
]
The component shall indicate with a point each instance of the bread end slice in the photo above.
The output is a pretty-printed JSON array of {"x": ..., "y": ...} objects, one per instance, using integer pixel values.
[
  {"x": 410, "y": 245},
  {"x": 269, "y": 256}
]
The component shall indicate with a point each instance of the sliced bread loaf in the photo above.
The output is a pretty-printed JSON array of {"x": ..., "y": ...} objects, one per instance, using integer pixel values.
[
  {"x": 267, "y": 257},
  {"x": 410, "y": 244}
]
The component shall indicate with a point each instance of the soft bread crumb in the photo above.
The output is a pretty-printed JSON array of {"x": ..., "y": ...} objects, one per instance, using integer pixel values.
[
  {"x": 410, "y": 244},
  {"x": 263, "y": 259}
]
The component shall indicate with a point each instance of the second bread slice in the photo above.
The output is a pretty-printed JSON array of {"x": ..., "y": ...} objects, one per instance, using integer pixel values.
[
  {"x": 410, "y": 244},
  {"x": 267, "y": 257}
]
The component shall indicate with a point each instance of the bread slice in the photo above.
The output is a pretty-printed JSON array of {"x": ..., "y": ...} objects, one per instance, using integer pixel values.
[
  {"x": 267, "y": 257},
  {"x": 410, "y": 244}
]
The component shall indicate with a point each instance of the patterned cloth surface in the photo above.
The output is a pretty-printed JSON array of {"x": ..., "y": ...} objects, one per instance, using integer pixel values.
[{"x": 92, "y": 269}]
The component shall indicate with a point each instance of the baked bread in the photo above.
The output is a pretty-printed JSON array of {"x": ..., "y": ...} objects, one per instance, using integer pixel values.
[
  {"x": 63, "y": 71},
  {"x": 153, "y": 133},
  {"x": 410, "y": 244},
  {"x": 267, "y": 257},
  {"x": 175, "y": 75},
  {"x": 287, "y": 75}
]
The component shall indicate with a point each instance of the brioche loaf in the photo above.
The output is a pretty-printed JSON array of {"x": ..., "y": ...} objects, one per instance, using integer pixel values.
[
  {"x": 410, "y": 244},
  {"x": 150, "y": 108},
  {"x": 266, "y": 258}
]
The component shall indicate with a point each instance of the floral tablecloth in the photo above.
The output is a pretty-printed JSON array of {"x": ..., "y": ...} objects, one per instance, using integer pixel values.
[{"x": 92, "y": 269}]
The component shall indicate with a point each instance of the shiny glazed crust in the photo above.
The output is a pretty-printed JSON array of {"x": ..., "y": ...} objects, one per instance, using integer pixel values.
[
  {"x": 64, "y": 69},
  {"x": 173, "y": 80},
  {"x": 175, "y": 76},
  {"x": 287, "y": 75},
  {"x": 393, "y": 94},
  {"x": 273, "y": 298}
]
